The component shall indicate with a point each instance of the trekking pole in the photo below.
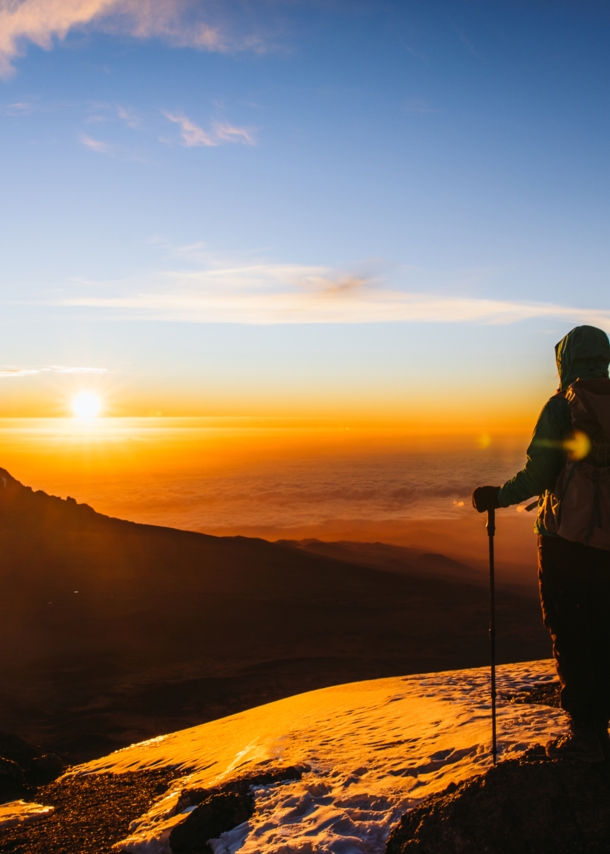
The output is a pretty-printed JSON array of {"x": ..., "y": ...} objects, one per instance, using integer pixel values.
[{"x": 491, "y": 530}]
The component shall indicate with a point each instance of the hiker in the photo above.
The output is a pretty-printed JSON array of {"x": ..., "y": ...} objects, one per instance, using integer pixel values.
[{"x": 568, "y": 467}]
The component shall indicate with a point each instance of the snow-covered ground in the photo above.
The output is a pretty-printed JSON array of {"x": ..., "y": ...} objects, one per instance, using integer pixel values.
[
  {"x": 21, "y": 812},
  {"x": 374, "y": 750}
]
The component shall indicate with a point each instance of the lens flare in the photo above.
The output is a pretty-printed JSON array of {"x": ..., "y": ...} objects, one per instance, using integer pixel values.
[
  {"x": 86, "y": 404},
  {"x": 579, "y": 446},
  {"x": 484, "y": 441}
]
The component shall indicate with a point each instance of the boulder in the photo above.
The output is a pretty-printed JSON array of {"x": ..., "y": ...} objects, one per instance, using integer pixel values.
[
  {"x": 38, "y": 768},
  {"x": 12, "y": 782},
  {"x": 16, "y": 748},
  {"x": 529, "y": 805},
  {"x": 43, "y": 769},
  {"x": 212, "y": 817}
]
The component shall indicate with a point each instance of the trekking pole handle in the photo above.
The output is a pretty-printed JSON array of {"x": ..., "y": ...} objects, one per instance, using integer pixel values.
[{"x": 491, "y": 522}]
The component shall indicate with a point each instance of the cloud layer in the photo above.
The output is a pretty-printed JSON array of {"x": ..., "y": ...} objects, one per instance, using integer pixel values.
[
  {"x": 290, "y": 293},
  {"x": 311, "y": 492},
  {"x": 179, "y": 22},
  {"x": 54, "y": 369}
]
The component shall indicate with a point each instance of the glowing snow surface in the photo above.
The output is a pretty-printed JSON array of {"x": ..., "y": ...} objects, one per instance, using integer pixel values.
[
  {"x": 375, "y": 749},
  {"x": 21, "y": 812}
]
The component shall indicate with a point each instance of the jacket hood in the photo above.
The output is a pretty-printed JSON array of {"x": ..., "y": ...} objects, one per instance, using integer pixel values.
[{"x": 584, "y": 353}]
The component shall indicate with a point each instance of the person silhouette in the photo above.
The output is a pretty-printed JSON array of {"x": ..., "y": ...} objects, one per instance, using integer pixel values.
[{"x": 569, "y": 470}]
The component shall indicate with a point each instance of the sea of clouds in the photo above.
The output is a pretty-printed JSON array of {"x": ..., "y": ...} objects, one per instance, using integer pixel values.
[{"x": 310, "y": 492}]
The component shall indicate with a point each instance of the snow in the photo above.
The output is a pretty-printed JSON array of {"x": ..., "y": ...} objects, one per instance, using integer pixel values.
[
  {"x": 374, "y": 749},
  {"x": 20, "y": 812}
]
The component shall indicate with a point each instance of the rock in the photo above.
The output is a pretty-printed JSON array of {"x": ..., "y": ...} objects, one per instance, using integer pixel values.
[
  {"x": 16, "y": 748},
  {"x": 212, "y": 817},
  {"x": 38, "y": 768},
  {"x": 242, "y": 785},
  {"x": 222, "y": 808},
  {"x": 12, "y": 783},
  {"x": 528, "y": 805},
  {"x": 43, "y": 769}
]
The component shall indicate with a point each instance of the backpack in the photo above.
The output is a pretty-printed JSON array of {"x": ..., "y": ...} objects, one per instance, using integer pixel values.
[{"x": 579, "y": 507}]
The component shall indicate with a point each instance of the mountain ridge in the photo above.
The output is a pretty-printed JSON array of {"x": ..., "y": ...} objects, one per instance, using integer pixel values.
[{"x": 104, "y": 619}]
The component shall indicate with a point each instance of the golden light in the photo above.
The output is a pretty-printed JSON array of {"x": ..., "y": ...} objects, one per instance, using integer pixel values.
[
  {"x": 579, "y": 446},
  {"x": 86, "y": 404},
  {"x": 484, "y": 441}
]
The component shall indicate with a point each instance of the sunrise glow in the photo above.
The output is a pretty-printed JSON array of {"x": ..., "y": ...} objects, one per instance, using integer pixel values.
[
  {"x": 86, "y": 404},
  {"x": 304, "y": 355}
]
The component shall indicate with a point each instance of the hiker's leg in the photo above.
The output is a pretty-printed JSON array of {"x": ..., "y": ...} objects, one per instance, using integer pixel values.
[
  {"x": 567, "y": 595},
  {"x": 598, "y": 613}
]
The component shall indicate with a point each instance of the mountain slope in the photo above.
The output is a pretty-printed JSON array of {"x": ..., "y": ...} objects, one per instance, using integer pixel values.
[
  {"x": 406, "y": 561},
  {"x": 336, "y": 767},
  {"x": 117, "y": 631}
]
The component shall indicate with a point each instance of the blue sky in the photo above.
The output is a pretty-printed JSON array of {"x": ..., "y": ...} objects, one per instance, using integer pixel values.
[{"x": 295, "y": 206}]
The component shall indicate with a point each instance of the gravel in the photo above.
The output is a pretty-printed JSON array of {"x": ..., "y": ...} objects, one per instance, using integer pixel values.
[{"x": 92, "y": 812}]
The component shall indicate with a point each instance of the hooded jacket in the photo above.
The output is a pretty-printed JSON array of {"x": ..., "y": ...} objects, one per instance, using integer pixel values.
[{"x": 584, "y": 353}]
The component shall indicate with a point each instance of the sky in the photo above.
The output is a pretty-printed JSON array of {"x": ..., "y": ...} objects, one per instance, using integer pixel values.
[
  {"x": 299, "y": 209},
  {"x": 346, "y": 214}
]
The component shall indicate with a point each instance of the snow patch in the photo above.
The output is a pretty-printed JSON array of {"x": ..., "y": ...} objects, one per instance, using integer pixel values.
[
  {"x": 374, "y": 749},
  {"x": 22, "y": 812}
]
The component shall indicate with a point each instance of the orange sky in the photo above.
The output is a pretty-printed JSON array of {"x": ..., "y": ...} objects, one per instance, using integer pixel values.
[{"x": 278, "y": 478}]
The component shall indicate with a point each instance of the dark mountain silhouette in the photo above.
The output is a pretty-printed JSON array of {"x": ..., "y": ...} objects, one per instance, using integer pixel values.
[
  {"x": 113, "y": 632},
  {"x": 407, "y": 561}
]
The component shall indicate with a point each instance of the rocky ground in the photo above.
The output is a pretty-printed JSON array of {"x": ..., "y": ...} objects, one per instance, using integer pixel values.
[
  {"x": 24, "y": 767},
  {"x": 92, "y": 812},
  {"x": 527, "y": 801},
  {"x": 529, "y": 805}
]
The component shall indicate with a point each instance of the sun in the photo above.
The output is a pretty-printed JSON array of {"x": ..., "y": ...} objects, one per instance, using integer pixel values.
[{"x": 86, "y": 404}]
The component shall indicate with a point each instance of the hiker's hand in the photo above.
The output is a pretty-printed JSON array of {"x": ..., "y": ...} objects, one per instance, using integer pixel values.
[{"x": 485, "y": 498}]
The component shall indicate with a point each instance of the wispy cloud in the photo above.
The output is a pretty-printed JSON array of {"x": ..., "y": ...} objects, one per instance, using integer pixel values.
[
  {"x": 17, "y": 372},
  {"x": 20, "y": 108},
  {"x": 55, "y": 369},
  {"x": 95, "y": 144},
  {"x": 193, "y": 135},
  {"x": 68, "y": 369},
  {"x": 181, "y": 23},
  {"x": 285, "y": 293},
  {"x": 231, "y": 133},
  {"x": 131, "y": 119}
]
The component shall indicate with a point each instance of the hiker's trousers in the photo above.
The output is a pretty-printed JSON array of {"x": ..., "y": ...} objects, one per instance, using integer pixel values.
[{"x": 574, "y": 582}]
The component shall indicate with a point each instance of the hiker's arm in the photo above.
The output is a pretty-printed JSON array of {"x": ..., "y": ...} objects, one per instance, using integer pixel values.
[{"x": 545, "y": 456}]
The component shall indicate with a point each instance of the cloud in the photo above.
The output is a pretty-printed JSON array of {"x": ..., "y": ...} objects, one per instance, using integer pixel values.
[
  {"x": 376, "y": 486},
  {"x": 230, "y": 133},
  {"x": 55, "y": 369},
  {"x": 193, "y": 135},
  {"x": 40, "y": 21},
  {"x": 18, "y": 372},
  {"x": 95, "y": 144},
  {"x": 66, "y": 369},
  {"x": 20, "y": 108},
  {"x": 291, "y": 293},
  {"x": 180, "y": 23},
  {"x": 131, "y": 119}
]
